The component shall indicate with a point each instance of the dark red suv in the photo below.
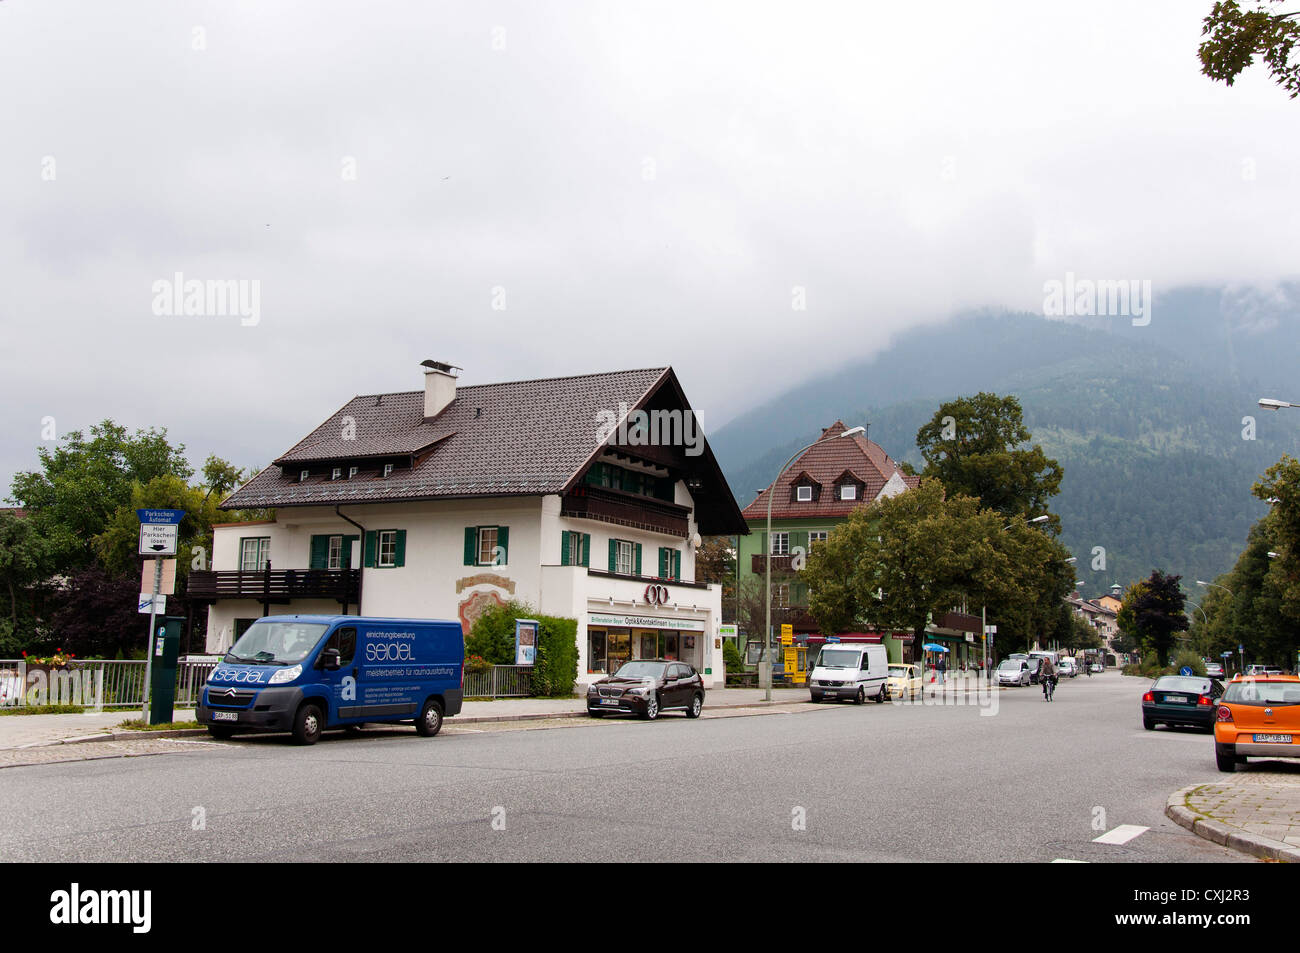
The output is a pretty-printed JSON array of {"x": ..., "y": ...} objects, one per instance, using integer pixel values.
[{"x": 648, "y": 687}]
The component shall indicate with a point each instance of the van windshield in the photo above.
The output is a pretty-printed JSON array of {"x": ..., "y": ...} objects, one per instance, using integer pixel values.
[
  {"x": 276, "y": 643},
  {"x": 839, "y": 658}
]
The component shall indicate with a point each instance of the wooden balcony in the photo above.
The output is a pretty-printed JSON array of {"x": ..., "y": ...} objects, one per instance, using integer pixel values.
[
  {"x": 277, "y": 586},
  {"x": 626, "y": 509},
  {"x": 758, "y": 564}
]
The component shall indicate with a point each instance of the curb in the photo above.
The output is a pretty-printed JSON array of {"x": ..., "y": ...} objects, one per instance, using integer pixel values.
[
  {"x": 1208, "y": 828},
  {"x": 455, "y": 720}
]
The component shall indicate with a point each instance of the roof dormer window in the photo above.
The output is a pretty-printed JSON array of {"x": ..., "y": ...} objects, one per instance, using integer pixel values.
[
  {"x": 336, "y": 473},
  {"x": 388, "y": 469},
  {"x": 302, "y": 475},
  {"x": 352, "y": 471},
  {"x": 803, "y": 494},
  {"x": 848, "y": 491}
]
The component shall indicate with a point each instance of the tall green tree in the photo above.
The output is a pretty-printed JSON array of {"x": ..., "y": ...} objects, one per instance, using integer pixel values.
[
  {"x": 978, "y": 446},
  {"x": 26, "y": 561},
  {"x": 1280, "y": 485},
  {"x": 715, "y": 562},
  {"x": 84, "y": 480},
  {"x": 1235, "y": 37},
  {"x": 1152, "y": 611}
]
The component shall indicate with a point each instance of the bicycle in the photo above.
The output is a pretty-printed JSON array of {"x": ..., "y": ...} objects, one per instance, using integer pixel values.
[{"x": 1049, "y": 686}]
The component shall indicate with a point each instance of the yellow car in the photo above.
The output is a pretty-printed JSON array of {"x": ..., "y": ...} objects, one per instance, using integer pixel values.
[{"x": 904, "y": 681}]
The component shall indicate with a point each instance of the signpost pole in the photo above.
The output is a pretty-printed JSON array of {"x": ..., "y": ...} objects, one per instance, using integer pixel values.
[{"x": 153, "y": 619}]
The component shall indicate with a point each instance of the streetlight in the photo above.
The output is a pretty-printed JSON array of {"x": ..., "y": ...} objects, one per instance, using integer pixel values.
[
  {"x": 1268, "y": 403},
  {"x": 1212, "y": 585},
  {"x": 765, "y": 665}
]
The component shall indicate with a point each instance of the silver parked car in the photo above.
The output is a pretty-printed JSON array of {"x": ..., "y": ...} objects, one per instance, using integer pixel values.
[{"x": 1013, "y": 671}]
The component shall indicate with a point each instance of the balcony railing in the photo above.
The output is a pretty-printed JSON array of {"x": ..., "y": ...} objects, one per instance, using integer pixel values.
[
  {"x": 626, "y": 509},
  {"x": 758, "y": 564},
  {"x": 279, "y": 585}
]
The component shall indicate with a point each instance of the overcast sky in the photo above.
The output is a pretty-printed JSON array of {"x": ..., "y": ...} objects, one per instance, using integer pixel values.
[{"x": 638, "y": 184}]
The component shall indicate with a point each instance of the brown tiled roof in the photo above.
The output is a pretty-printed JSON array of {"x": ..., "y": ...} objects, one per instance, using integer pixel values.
[
  {"x": 826, "y": 461},
  {"x": 515, "y": 438}
]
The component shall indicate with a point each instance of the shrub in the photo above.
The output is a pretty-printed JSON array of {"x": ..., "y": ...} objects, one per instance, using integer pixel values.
[
  {"x": 493, "y": 634},
  {"x": 1186, "y": 657},
  {"x": 556, "y": 668},
  {"x": 731, "y": 657}
]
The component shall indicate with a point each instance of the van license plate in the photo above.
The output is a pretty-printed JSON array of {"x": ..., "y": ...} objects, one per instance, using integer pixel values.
[
  {"x": 1273, "y": 739},
  {"x": 225, "y": 716}
]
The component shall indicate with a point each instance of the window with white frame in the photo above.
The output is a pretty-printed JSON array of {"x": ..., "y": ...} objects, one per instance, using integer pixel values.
[
  {"x": 254, "y": 553},
  {"x": 780, "y": 544},
  {"x": 487, "y": 545},
  {"x": 387, "y": 548},
  {"x": 626, "y": 557},
  {"x": 334, "y": 560},
  {"x": 575, "y": 549},
  {"x": 302, "y": 475},
  {"x": 388, "y": 469},
  {"x": 803, "y": 494},
  {"x": 849, "y": 491},
  {"x": 816, "y": 536},
  {"x": 336, "y": 473},
  {"x": 781, "y": 595},
  {"x": 352, "y": 471}
]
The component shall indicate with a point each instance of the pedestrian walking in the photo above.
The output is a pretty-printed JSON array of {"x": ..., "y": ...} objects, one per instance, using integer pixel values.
[{"x": 940, "y": 667}]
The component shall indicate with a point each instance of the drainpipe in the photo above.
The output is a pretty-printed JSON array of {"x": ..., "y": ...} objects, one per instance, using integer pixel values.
[{"x": 360, "y": 569}]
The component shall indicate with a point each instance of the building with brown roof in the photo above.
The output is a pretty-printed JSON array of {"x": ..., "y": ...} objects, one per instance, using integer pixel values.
[
  {"x": 812, "y": 496},
  {"x": 583, "y": 496}
]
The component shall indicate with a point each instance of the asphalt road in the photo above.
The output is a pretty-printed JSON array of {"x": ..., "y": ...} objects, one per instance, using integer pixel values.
[{"x": 1033, "y": 782}]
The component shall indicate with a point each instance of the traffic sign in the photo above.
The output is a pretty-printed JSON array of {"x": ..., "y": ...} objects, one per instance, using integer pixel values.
[
  {"x": 1185, "y": 670},
  {"x": 147, "y": 600}
]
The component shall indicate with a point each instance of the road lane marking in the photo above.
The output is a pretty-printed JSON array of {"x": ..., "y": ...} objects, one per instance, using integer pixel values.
[
  {"x": 1062, "y": 860},
  {"x": 1121, "y": 835}
]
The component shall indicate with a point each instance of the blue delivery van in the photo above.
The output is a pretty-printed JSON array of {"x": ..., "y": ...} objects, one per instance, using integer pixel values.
[{"x": 303, "y": 674}]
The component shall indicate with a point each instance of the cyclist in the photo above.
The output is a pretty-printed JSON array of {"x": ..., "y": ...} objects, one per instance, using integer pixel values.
[{"x": 1047, "y": 675}]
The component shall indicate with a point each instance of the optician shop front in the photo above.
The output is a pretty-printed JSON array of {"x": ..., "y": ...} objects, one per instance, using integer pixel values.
[{"x": 613, "y": 639}]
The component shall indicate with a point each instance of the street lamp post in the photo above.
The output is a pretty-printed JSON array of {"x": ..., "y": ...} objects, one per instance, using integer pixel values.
[{"x": 765, "y": 666}]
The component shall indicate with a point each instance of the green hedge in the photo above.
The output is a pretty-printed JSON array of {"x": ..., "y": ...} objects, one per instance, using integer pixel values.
[{"x": 556, "y": 669}]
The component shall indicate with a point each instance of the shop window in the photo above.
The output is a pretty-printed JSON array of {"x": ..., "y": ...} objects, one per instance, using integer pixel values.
[{"x": 596, "y": 651}]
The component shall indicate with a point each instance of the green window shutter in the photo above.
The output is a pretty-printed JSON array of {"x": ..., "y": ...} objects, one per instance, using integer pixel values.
[
  {"x": 399, "y": 550},
  {"x": 638, "y": 559},
  {"x": 799, "y": 596},
  {"x": 471, "y": 545},
  {"x": 369, "y": 559},
  {"x": 564, "y": 547},
  {"x": 503, "y": 541},
  {"x": 347, "y": 550},
  {"x": 320, "y": 552},
  {"x": 586, "y": 549},
  {"x": 677, "y": 565},
  {"x": 800, "y": 538},
  {"x": 664, "y": 560},
  {"x": 613, "y": 555},
  {"x": 766, "y": 548}
]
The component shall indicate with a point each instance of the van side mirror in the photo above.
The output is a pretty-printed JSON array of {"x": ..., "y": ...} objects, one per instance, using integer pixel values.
[{"x": 330, "y": 659}]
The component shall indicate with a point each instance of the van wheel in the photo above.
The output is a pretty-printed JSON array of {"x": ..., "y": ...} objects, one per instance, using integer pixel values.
[
  {"x": 430, "y": 721},
  {"x": 221, "y": 731},
  {"x": 307, "y": 724},
  {"x": 860, "y": 697},
  {"x": 880, "y": 696},
  {"x": 696, "y": 706}
]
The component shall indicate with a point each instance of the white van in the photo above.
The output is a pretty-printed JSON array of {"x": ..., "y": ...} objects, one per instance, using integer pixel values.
[{"x": 850, "y": 670}]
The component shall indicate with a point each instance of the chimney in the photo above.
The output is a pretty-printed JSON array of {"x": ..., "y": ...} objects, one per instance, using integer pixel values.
[{"x": 439, "y": 387}]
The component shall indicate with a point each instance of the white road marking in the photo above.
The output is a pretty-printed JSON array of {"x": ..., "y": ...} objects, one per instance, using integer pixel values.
[
  {"x": 1062, "y": 860},
  {"x": 1121, "y": 835}
]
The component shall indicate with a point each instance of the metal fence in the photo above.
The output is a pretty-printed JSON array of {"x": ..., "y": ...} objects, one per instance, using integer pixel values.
[
  {"x": 97, "y": 683},
  {"x": 119, "y": 683},
  {"x": 501, "y": 681}
]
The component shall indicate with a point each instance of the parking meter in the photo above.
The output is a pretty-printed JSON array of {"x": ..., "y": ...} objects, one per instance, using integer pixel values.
[{"x": 162, "y": 686}]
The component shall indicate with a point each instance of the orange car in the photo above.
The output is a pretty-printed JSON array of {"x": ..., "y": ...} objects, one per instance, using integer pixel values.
[{"x": 1258, "y": 716}]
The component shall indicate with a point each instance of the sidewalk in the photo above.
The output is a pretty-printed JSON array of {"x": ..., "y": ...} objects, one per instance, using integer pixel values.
[
  {"x": 1256, "y": 810},
  {"x": 20, "y": 731}
]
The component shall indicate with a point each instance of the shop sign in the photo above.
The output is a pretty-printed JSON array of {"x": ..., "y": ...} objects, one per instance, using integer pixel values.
[
  {"x": 645, "y": 622},
  {"x": 656, "y": 595}
]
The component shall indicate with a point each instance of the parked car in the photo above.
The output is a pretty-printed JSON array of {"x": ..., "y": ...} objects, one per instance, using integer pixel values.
[
  {"x": 847, "y": 670},
  {"x": 648, "y": 688},
  {"x": 1181, "y": 700},
  {"x": 1068, "y": 668},
  {"x": 1256, "y": 668},
  {"x": 305, "y": 674},
  {"x": 1214, "y": 669},
  {"x": 1013, "y": 671},
  {"x": 904, "y": 681},
  {"x": 1257, "y": 717},
  {"x": 1098, "y": 668},
  {"x": 1035, "y": 663}
]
